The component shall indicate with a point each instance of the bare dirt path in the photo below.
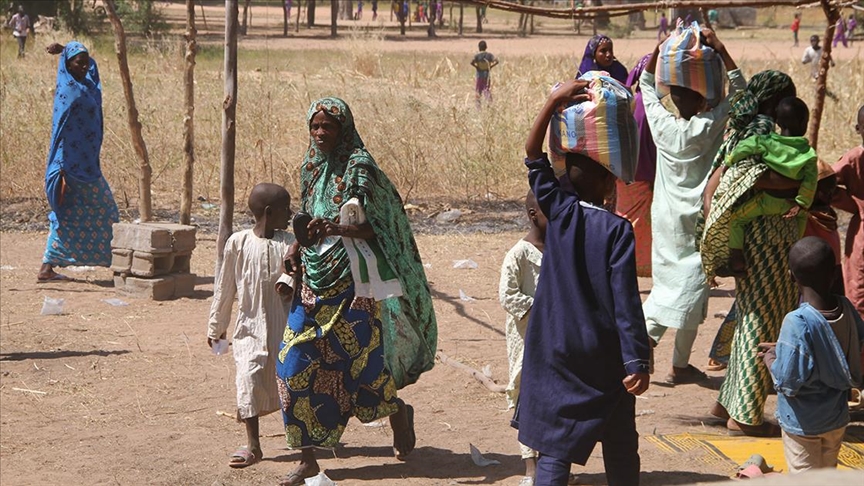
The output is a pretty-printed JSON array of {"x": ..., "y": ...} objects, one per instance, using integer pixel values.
[{"x": 131, "y": 394}]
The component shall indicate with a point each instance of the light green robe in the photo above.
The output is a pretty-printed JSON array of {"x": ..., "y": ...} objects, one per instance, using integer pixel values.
[{"x": 685, "y": 152}]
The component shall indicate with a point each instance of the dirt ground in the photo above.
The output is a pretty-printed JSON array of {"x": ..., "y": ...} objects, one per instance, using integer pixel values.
[{"x": 117, "y": 395}]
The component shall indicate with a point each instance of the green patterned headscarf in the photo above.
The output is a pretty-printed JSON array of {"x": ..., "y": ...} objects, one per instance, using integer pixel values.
[
  {"x": 349, "y": 171},
  {"x": 744, "y": 118}
]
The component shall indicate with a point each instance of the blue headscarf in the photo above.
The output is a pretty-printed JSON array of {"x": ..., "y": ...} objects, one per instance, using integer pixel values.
[
  {"x": 617, "y": 70},
  {"x": 76, "y": 132}
]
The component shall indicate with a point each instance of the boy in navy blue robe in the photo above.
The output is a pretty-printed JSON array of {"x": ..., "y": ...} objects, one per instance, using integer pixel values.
[{"x": 586, "y": 348}]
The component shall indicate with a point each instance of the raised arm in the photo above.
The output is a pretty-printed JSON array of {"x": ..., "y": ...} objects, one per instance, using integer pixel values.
[{"x": 714, "y": 43}]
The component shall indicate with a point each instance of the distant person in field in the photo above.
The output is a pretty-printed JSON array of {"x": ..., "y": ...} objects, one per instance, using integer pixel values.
[
  {"x": 483, "y": 63},
  {"x": 599, "y": 55},
  {"x": 795, "y": 27},
  {"x": 288, "y": 9},
  {"x": 83, "y": 210},
  {"x": 815, "y": 361},
  {"x": 790, "y": 155},
  {"x": 359, "y": 14},
  {"x": 714, "y": 17},
  {"x": 374, "y": 10},
  {"x": 850, "y": 198},
  {"x": 840, "y": 33},
  {"x": 813, "y": 55},
  {"x": 20, "y": 24},
  {"x": 663, "y": 29},
  {"x": 519, "y": 274},
  {"x": 251, "y": 274},
  {"x": 851, "y": 25}
]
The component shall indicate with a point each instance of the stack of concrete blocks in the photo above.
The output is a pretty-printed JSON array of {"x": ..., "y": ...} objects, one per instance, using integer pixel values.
[{"x": 151, "y": 260}]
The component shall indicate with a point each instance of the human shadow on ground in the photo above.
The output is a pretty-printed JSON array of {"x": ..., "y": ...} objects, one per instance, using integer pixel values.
[
  {"x": 459, "y": 307},
  {"x": 59, "y": 354},
  {"x": 712, "y": 383},
  {"x": 659, "y": 478},
  {"x": 428, "y": 462}
]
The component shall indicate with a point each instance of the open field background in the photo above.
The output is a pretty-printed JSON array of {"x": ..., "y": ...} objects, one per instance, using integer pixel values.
[{"x": 412, "y": 98}]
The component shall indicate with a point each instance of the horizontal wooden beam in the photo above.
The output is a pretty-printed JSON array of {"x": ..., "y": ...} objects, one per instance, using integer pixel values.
[{"x": 617, "y": 10}]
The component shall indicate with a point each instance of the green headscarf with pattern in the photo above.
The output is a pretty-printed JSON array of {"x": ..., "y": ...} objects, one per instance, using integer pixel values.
[
  {"x": 349, "y": 171},
  {"x": 744, "y": 118}
]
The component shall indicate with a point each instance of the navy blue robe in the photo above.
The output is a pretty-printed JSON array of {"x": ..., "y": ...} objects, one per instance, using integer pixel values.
[{"x": 586, "y": 332}]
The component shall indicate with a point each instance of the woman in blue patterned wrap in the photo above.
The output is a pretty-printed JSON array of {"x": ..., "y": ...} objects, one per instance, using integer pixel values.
[{"x": 82, "y": 206}]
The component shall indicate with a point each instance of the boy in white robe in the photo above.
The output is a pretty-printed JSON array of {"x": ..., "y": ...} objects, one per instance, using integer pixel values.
[{"x": 251, "y": 270}]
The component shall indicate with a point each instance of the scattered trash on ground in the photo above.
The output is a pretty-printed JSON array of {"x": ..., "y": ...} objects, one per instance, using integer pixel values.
[
  {"x": 487, "y": 371},
  {"x": 427, "y": 265},
  {"x": 7, "y": 267},
  {"x": 219, "y": 347},
  {"x": 81, "y": 269},
  {"x": 450, "y": 216},
  {"x": 479, "y": 459},
  {"x": 116, "y": 302},
  {"x": 52, "y": 307},
  {"x": 377, "y": 423},
  {"x": 468, "y": 264},
  {"x": 465, "y": 297},
  {"x": 320, "y": 480},
  {"x": 642, "y": 413}
]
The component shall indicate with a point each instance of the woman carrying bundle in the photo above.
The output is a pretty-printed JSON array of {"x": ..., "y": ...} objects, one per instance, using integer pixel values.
[{"x": 600, "y": 56}]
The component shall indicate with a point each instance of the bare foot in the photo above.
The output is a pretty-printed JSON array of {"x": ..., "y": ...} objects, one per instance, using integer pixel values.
[
  {"x": 719, "y": 411},
  {"x": 765, "y": 429},
  {"x": 683, "y": 376},
  {"x": 402, "y": 423}
]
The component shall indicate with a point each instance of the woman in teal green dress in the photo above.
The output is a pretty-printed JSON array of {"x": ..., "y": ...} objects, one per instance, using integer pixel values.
[{"x": 361, "y": 325}]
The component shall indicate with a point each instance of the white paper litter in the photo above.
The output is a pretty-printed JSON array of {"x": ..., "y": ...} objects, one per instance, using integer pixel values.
[
  {"x": 465, "y": 297},
  {"x": 81, "y": 269},
  {"x": 479, "y": 459},
  {"x": 7, "y": 267},
  {"x": 52, "y": 307},
  {"x": 468, "y": 264},
  {"x": 487, "y": 371},
  {"x": 642, "y": 413},
  {"x": 320, "y": 480},
  {"x": 116, "y": 302},
  {"x": 377, "y": 423},
  {"x": 427, "y": 265}
]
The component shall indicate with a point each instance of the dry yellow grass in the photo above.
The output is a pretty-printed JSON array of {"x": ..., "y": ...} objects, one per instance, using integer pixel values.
[{"x": 416, "y": 114}]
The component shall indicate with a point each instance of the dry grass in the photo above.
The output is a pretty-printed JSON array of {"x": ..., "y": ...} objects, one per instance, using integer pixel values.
[{"x": 416, "y": 115}]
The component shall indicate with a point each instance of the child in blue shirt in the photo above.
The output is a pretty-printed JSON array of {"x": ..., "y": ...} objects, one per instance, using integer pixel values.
[{"x": 815, "y": 362}]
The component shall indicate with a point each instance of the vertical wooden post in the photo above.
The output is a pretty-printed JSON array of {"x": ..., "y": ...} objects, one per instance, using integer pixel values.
[
  {"x": 189, "y": 118},
  {"x": 203, "y": 17},
  {"x": 832, "y": 14},
  {"x": 334, "y": 17},
  {"x": 479, "y": 20},
  {"x": 245, "y": 25},
  {"x": 285, "y": 18},
  {"x": 144, "y": 202},
  {"x": 461, "y": 17},
  {"x": 297, "y": 20},
  {"x": 229, "y": 132}
]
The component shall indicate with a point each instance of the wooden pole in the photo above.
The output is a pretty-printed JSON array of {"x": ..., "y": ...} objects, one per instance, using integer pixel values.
[
  {"x": 705, "y": 19},
  {"x": 144, "y": 199},
  {"x": 461, "y": 18},
  {"x": 832, "y": 14},
  {"x": 297, "y": 20},
  {"x": 245, "y": 25},
  {"x": 229, "y": 132},
  {"x": 189, "y": 118},
  {"x": 203, "y": 17},
  {"x": 285, "y": 18},
  {"x": 334, "y": 16},
  {"x": 483, "y": 379}
]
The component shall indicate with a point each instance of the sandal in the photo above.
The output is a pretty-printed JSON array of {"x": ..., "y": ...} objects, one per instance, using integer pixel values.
[
  {"x": 686, "y": 376},
  {"x": 294, "y": 479},
  {"x": 54, "y": 278},
  {"x": 246, "y": 458},
  {"x": 402, "y": 454},
  {"x": 714, "y": 365}
]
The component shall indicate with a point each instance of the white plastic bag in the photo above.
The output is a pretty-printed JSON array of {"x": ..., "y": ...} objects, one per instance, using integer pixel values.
[{"x": 52, "y": 307}]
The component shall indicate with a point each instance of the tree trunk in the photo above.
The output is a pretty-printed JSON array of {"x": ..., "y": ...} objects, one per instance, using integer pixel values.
[
  {"x": 334, "y": 14},
  {"x": 284, "y": 19},
  {"x": 189, "y": 119},
  {"x": 229, "y": 133},
  {"x": 430, "y": 31},
  {"x": 297, "y": 18},
  {"x": 245, "y": 25},
  {"x": 203, "y": 17},
  {"x": 401, "y": 15},
  {"x": 832, "y": 15},
  {"x": 144, "y": 202},
  {"x": 310, "y": 13},
  {"x": 479, "y": 20},
  {"x": 461, "y": 17},
  {"x": 346, "y": 9}
]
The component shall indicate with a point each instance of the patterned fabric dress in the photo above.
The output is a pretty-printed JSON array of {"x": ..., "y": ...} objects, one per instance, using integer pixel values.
[
  {"x": 83, "y": 208},
  {"x": 768, "y": 292},
  {"x": 342, "y": 354}
]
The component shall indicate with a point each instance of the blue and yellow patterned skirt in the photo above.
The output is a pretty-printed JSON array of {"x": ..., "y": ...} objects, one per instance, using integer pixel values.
[
  {"x": 331, "y": 366},
  {"x": 81, "y": 227}
]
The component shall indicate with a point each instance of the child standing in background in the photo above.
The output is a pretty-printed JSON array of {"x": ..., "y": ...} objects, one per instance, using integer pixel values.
[
  {"x": 519, "y": 274},
  {"x": 586, "y": 349},
  {"x": 252, "y": 271},
  {"x": 815, "y": 361},
  {"x": 795, "y": 27},
  {"x": 483, "y": 62},
  {"x": 663, "y": 30}
]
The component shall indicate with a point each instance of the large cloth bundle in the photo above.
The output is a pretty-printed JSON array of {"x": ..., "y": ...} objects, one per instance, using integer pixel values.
[
  {"x": 602, "y": 128},
  {"x": 687, "y": 62}
]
